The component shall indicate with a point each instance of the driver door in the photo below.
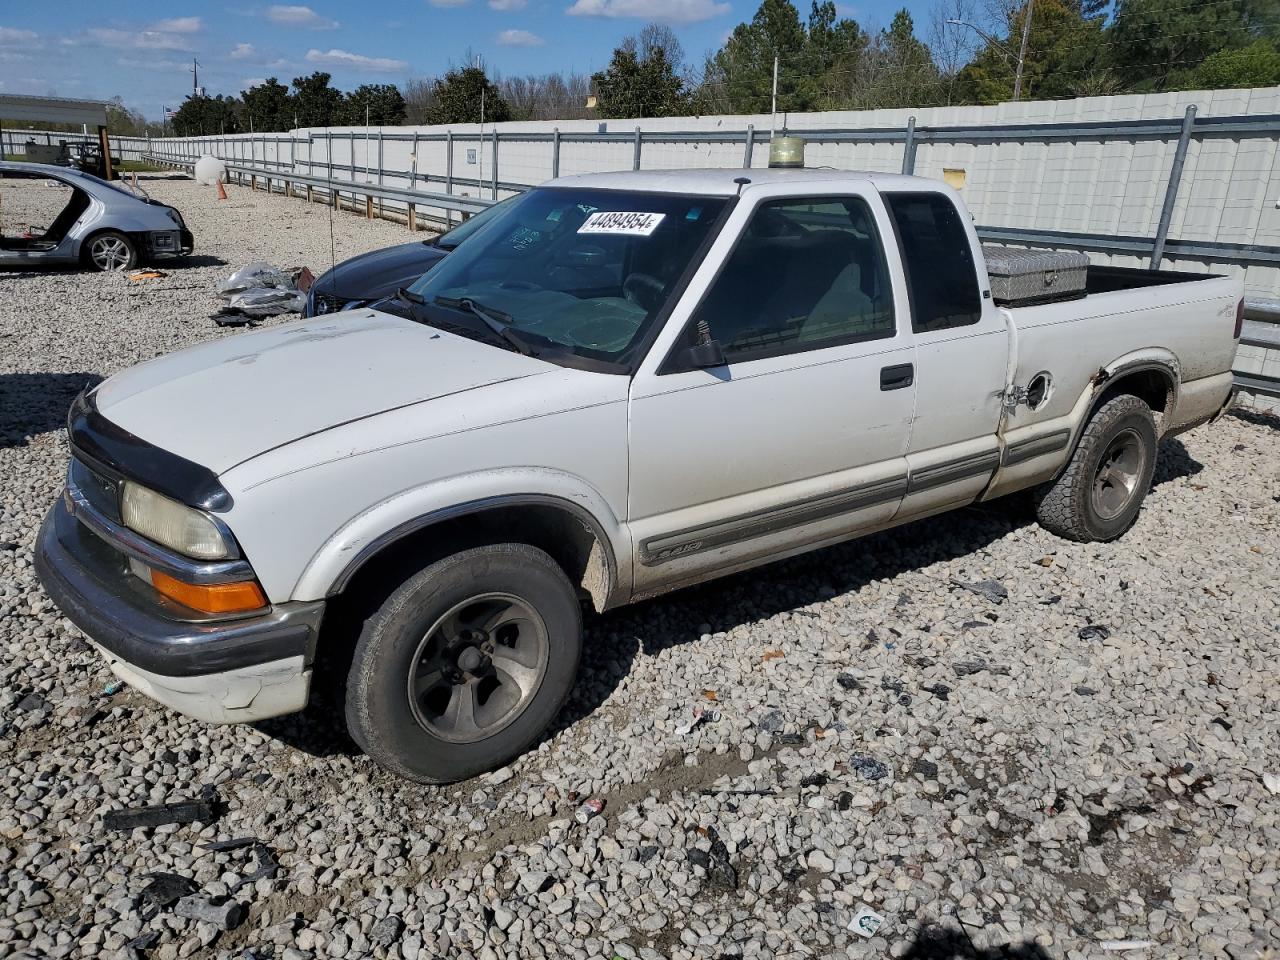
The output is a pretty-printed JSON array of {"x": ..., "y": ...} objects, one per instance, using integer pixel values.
[{"x": 800, "y": 436}]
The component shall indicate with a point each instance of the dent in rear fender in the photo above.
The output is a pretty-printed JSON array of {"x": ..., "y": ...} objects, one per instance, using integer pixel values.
[{"x": 411, "y": 510}]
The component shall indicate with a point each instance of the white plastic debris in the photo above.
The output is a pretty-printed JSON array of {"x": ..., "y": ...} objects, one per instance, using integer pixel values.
[
  {"x": 267, "y": 301},
  {"x": 1271, "y": 781},
  {"x": 256, "y": 274},
  {"x": 866, "y": 922},
  {"x": 209, "y": 170},
  {"x": 1119, "y": 946}
]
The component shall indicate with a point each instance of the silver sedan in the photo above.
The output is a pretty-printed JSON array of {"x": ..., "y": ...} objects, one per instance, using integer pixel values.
[{"x": 103, "y": 226}]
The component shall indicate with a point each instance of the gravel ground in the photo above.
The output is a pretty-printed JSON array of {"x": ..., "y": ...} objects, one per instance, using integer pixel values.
[{"x": 1077, "y": 757}]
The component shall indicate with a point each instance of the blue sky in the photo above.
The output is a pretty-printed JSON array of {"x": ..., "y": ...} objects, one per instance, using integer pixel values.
[{"x": 142, "y": 50}]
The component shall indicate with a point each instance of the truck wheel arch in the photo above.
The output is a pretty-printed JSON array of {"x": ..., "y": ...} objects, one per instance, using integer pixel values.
[
  {"x": 1151, "y": 376},
  {"x": 569, "y": 532}
]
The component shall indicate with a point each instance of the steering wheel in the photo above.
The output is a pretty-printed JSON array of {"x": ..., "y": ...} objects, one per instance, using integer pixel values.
[{"x": 644, "y": 290}]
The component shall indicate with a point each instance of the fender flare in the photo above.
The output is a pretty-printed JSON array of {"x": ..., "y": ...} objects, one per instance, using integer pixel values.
[
  {"x": 371, "y": 531},
  {"x": 1155, "y": 359}
]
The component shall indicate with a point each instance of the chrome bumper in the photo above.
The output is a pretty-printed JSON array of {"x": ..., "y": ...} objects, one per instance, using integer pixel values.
[{"x": 222, "y": 671}]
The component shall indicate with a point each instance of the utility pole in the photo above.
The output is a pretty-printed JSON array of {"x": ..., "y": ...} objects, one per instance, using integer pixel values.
[
  {"x": 1022, "y": 52},
  {"x": 195, "y": 77},
  {"x": 773, "y": 123},
  {"x": 480, "y": 148}
]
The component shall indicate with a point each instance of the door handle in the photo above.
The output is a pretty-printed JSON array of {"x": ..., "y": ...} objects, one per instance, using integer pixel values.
[{"x": 897, "y": 377}]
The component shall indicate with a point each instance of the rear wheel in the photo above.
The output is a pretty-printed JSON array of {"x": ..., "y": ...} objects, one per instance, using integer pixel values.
[
  {"x": 110, "y": 250},
  {"x": 1098, "y": 495},
  {"x": 466, "y": 664}
]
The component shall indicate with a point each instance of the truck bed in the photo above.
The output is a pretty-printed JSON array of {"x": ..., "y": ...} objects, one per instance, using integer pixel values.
[{"x": 1108, "y": 279}]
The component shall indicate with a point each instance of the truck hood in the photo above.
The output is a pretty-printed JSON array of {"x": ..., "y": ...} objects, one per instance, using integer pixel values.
[{"x": 225, "y": 402}]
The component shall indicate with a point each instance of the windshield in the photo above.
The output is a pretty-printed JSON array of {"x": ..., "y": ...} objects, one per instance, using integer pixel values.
[
  {"x": 447, "y": 241},
  {"x": 574, "y": 271}
]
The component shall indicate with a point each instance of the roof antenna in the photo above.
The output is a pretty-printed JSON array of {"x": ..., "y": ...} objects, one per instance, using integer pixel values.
[
  {"x": 333, "y": 202},
  {"x": 741, "y": 182}
]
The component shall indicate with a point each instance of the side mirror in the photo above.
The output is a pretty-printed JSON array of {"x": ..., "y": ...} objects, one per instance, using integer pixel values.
[{"x": 703, "y": 355}]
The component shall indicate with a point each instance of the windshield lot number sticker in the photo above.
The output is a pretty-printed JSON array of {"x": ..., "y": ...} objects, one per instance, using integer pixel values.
[{"x": 622, "y": 224}]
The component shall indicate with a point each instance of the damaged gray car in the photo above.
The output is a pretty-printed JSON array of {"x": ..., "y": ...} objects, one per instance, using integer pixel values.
[{"x": 101, "y": 225}]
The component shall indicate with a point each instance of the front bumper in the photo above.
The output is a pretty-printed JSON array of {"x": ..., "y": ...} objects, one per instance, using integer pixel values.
[{"x": 225, "y": 671}]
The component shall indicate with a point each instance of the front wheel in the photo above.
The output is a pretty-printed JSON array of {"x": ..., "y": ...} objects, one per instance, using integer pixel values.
[
  {"x": 1098, "y": 496},
  {"x": 465, "y": 664},
  {"x": 111, "y": 250}
]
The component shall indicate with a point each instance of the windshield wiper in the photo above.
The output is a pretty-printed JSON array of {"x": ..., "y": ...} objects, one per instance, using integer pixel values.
[{"x": 489, "y": 318}]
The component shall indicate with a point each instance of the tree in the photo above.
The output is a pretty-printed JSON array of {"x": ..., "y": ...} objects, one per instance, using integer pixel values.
[
  {"x": 1065, "y": 56},
  {"x": 1257, "y": 65},
  {"x": 207, "y": 116},
  {"x": 316, "y": 103},
  {"x": 897, "y": 70},
  {"x": 641, "y": 80},
  {"x": 1154, "y": 42},
  {"x": 457, "y": 98},
  {"x": 833, "y": 50},
  {"x": 741, "y": 73},
  {"x": 379, "y": 104},
  {"x": 268, "y": 106},
  {"x": 124, "y": 121}
]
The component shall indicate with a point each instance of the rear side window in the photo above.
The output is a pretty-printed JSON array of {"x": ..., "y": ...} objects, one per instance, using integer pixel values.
[{"x": 938, "y": 260}]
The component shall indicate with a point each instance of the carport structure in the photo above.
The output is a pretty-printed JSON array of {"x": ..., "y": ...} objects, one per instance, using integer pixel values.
[{"x": 87, "y": 113}]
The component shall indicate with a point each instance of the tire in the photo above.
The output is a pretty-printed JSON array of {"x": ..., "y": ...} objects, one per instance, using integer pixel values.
[
  {"x": 110, "y": 250},
  {"x": 435, "y": 634},
  {"x": 1098, "y": 496}
]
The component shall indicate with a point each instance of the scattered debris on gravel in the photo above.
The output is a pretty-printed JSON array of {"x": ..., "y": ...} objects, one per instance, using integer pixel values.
[{"x": 929, "y": 743}]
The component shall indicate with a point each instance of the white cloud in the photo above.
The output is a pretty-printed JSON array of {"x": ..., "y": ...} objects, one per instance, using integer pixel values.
[
  {"x": 508, "y": 4},
  {"x": 11, "y": 36},
  {"x": 248, "y": 82},
  {"x": 243, "y": 51},
  {"x": 671, "y": 11},
  {"x": 519, "y": 38},
  {"x": 341, "y": 58},
  {"x": 299, "y": 16},
  {"x": 150, "y": 63},
  {"x": 177, "y": 25},
  {"x": 137, "y": 39}
]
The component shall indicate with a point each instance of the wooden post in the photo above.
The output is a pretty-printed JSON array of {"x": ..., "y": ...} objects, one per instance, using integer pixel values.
[
  {"x": 413, "y": 218},
  {"x": 368, "y": 207},
  {"x": 105, "y": 143}
]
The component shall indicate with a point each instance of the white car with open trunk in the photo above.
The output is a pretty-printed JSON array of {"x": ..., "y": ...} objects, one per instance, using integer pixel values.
[{"x": 623, "y": 384}]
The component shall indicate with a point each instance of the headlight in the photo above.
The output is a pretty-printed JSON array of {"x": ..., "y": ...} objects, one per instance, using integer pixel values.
[{"x": 172, "y": 524}]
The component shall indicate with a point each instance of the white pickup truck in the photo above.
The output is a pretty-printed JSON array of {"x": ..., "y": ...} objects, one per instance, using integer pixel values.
[{"x": 621, "y": 385}]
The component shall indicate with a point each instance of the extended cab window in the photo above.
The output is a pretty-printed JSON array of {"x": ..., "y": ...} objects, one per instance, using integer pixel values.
[
  {"x": 938, "y": 259},
  {"x": 805, "y": 274}
]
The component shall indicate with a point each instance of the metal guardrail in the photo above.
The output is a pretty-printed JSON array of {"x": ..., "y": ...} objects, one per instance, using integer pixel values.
[
  {"x": 1261, "y": 329},
  {"x": 333, "y": 188}
]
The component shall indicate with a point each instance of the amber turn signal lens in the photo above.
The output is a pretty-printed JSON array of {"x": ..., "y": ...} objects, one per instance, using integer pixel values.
[{"x": 211, "y": 598}]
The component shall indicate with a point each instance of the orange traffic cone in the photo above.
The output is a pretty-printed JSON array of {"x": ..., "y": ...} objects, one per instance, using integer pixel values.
[{"x": 222, "y": 191}]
